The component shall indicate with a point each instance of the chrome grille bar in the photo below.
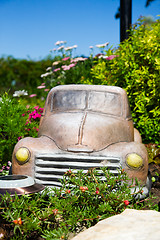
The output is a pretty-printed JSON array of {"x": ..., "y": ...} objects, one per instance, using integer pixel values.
[{"x": 50, "y": 168}]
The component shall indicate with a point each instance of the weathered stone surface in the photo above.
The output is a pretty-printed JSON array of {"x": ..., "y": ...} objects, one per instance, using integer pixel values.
[{"x": 129, "y": 225}]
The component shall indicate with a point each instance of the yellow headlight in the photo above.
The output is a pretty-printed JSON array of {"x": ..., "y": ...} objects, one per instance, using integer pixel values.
[
  {"x": 133, "y": 160},
  {"x": 23, "y": 155}
]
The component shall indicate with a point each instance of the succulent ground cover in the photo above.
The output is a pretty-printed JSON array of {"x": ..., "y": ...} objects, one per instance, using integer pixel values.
[{"x": 82, "y": 201}]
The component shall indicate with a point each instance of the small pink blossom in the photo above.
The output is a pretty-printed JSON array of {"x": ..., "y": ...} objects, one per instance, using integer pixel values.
[
  {"x": 23, "y": 114},
  {"x": 78, "y": 59},
  {"x": 111, "y": 57},
  {"x": 46, "y": 90},
  {"x": 37, "y": 115},
  {"x": 72, "y": 65},
  {"x": 57, "y": 69},
  {"x": 40, "y": 87},
  {"x": 65, "y": 59},
  {"x": 19, "y": 138},
  {"x": 33, "y": 95},
  {"x": 36, "y": 107},
  {"x": 41, "y": 110},
  {"x": 65, "y": 67}
]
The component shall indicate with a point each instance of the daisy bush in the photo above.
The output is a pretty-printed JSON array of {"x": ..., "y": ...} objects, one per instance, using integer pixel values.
[{"x": 69, "y": 69}]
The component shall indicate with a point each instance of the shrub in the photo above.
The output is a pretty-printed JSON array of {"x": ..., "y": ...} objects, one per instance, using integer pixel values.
[
  {"x": 16, "y": 121},
  {"x": 21, "y": 73},
  {"x": 81, "y": 202},
  {"x": 135, "y": 66}
]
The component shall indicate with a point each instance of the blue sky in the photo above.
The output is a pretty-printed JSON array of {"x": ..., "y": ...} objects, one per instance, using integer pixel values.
[{"x": 30, "y": 28}]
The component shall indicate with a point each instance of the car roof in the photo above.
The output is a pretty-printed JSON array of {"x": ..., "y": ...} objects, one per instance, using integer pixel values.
[
  {"x": 84, "y": 87},
  {"x": 102, "y": 88}
]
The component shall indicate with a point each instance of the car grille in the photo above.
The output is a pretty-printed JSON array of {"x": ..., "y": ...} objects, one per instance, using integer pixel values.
[{"x": 50, "y": 168}]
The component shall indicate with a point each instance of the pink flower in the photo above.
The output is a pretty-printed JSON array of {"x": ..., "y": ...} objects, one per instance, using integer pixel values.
[
  {"x": 40, "y": 110},
  {"x": 36, "y": 107},
  {"x": 23, "y": 114},
  {"x": 65, "y": 67},
  {"x": 40, "y": 87},
  {"x": 57, "y": 69},
  {"x": 111, "y": 57},
  {"x": 33, "y": 95},
  {"x": 72, "y": 65},
  {"x": 46, "y": 90},
  {"x": 65, "y": 59},
  {"x": 19, "y": 138},
  {"x": 37, "y": 115},
  {"x": 78, "y": 59}
]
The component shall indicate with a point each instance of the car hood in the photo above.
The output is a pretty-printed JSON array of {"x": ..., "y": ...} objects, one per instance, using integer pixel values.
[{"x": 85, "y": 131}]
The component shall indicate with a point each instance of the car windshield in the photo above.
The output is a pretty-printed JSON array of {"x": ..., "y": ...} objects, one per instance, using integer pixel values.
[{"x": 96, "y": 101}]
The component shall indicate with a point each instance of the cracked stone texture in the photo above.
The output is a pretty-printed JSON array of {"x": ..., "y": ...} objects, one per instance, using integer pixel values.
[{"x": 130, "y": 225}]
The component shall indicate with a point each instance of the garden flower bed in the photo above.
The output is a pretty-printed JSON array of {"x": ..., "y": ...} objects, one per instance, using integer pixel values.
[
  {"x": 134, "y": 66},
  {"x": 82, "y": 201}
]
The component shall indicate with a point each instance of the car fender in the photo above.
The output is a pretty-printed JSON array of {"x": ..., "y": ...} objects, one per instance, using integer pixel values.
[
  {"x": 34, "y": 146},
  {"x": 122, "y": 150}
]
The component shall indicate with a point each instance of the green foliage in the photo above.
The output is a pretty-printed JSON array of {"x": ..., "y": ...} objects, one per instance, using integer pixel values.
[
  {"x": 135, "y": 66},
  {"x": 16, "y": 122},
  {"x": 81, "y": 202},
  {"x": 21, "y": 74},
  {"x": 153, "y": 153}
]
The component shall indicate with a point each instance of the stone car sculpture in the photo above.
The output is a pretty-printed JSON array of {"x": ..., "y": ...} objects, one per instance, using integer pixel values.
[{"x": 82, "y": 127}]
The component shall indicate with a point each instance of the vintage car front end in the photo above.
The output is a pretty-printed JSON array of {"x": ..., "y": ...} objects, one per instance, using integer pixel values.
[
  {"x": 48, "y": 167},
  {"x": 83, "y": 127}
]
